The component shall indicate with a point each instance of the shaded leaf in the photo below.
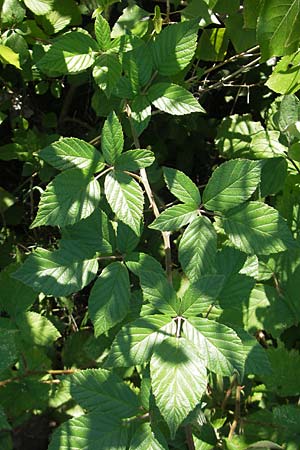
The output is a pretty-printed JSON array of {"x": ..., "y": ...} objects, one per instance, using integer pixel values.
[
  {"x": 173, "y": 99},
  {"x": 182, "y": 186}
]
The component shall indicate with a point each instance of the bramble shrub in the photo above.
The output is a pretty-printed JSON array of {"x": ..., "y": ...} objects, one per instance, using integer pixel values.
[{"x": 149, "y": 203}]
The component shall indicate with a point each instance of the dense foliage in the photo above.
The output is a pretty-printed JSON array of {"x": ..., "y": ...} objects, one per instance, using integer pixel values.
[{"x": 149, "y": 207}]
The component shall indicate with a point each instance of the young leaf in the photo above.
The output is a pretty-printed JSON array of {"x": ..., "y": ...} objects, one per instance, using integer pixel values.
[
  {"x": 72, "y": 52},
  {"x": 133, "y": 160},
  {"x": 178, "y": 380},
  {"x": 257, "y": 228},
  {"x": 182, "y": 186},
  {"x": 91, "y": 431},
  {"x": 197, "y": 248},
  {"x": 112, "y": 140},
  {"x": 231, "y": 183},
  {"x": 104, "y": 391},
  {"x": 218, "y": 344},
  {"x": 72, "y": 195},
  {"x": 102, "y": 32},
  {"x": 277, "y": 28},
  {"x": 125, "y": 198},
  {"x": 69, "y": 153},
  {"x": 135, "y": 343},
  {"x": 109, "y": 298},
  {"x": 173, "y": 99},
  {"x": 56, "y": 273},
  {"x": 37, "y": 329},
  {"x": 174, "y": 48},
  {"x": 174, "y": 217},
  {"x": 107, "y": 72},
  {"x": 145, "y": 439}
]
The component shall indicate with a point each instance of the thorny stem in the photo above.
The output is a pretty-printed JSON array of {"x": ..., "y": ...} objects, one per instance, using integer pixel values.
[
  {"x": 237, "y": 411},
  {"x": 221, "y": 82},
  {"x": 153, "y": 205},
  {"x": 37, "y": 372}
]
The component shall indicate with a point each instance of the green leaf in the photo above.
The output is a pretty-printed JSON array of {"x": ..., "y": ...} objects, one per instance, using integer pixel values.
[
  {"x": 60, "y": 15},
  {"x": 93, "y": 234},
  {"x": 8, "y": 348},
  {"x": 15, "y": 297},
  {"x": 135, "y": 343},
  {"x": 255, "y": 356},
  {"x": 4, "y": 425},
  {"x": 231, "y": 183},
  {"x": 182, "y": 186},
  {"x": 145, "y": 439},
  {"x": 174, "y": 48},
  {"x": 134, "y": 20},
  {"x": 56, "y": 273},
  {"x": 127, "y": 239},
  {"x": 235, "y": 134},
  {"x": 264, "y": 309},
  {"x": 107, "y": 72},
  {"x": 72, "y": 195},
  {"x": 266, "y": 144},
  {"x": 104, "y": 391},
  {"x": 109, "y": 298},
  {"x": 133, "y": 160},
  {"x": 284, "y": 380},
  {"x": 37, "y": 329},
  {"x": 69, "y": 153},
  {"x": 112, "y": 140},
  {"x": 277, "y": 28},
  {"x": 102, "y": 32},
  {"x": 218, "y": 345},
  {"x": 138, "y": 66},
  {"x": 156, "y": 289},
  {"x": 140, "y": 113},
  {"x": 244, "y": 38},
  {"x": 257, "y": 228},
  {"x": 173, "y": 99},
  {"x": 125, "y": 198},
  {"x": 8, "y": 56},
  {"x": 178, "y": 380},
  {"x": 197, "y": 248},
  {"x": 213, "y": 44},
  {"x": 273, "y": 176},
  {"x": 175, "y": 217},
  {"x": 70, "y": 53},
  {"x": 39, "y": 7},
  {"x": 200, "y": 295},
  {"x": 285, "y": 78},
  {"x": 92, "y": 431}
]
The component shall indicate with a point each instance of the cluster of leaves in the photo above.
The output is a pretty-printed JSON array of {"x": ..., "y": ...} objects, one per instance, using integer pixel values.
[{"x": 147, "y": 303}]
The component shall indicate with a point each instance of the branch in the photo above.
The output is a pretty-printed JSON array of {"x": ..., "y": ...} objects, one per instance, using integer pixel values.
[
  {"x": 237, "y": 411},
  {"x": 153, "y": 205},
  {"x": 37, "y": 372}
]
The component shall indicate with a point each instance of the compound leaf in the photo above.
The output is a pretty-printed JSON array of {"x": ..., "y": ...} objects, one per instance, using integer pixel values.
[
  {"x": 135, "y": 343},
  {"x": 178, "y": 380},
  {"x": 56, "y": 273},
  {"x": 72, "y": 195},
  {"x": 197, "y": 248},
  {"x": 257, "y": 228},
  {"x": 102, "y": 390},
  {"x": 182, "y": 186},
  {"x": 109, "y": 298},
  {"x": 232, "y": 183},
  {"x": 173, "y": 99},
  {"x": 175, "y": 47},
  {"x": 125, "y": 198},
  {"x": 69, "y": 153}
]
